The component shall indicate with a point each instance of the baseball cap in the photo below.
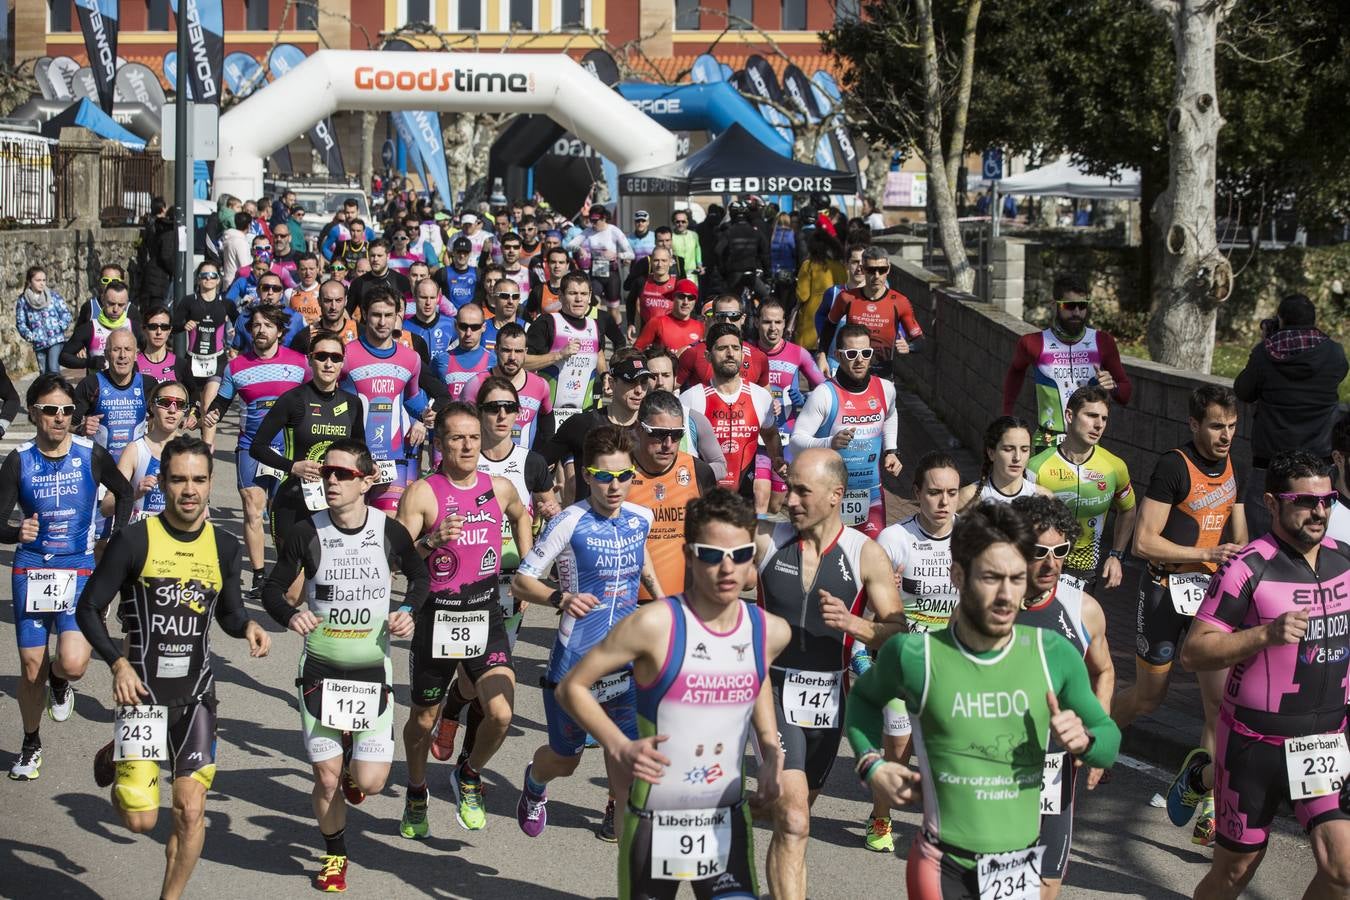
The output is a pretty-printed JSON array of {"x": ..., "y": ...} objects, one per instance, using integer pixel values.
[
  {"x": 632, "y": 369},
  {"x": 685, "y": 286},
  {"x": 468, "y": 219},
  {"x": 461, "y": 244},
  {"x": 642, "y": 215}
]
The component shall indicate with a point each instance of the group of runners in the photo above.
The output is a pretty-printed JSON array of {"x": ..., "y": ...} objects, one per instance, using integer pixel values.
[{"x": 500, "y": 445}]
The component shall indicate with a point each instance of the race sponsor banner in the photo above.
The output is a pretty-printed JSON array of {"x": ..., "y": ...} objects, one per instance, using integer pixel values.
[
  {"x": 98, "y": 22},
  {"x": 322, "y": 137}
]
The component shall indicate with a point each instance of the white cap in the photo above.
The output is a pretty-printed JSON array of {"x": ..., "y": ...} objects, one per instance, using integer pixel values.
[{"x": 468, "y": 219}]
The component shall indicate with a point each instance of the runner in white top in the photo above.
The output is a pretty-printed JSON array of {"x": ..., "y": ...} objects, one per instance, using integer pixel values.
[
  {"x": 139, "y": 462},
  {"x": 1007, "y": 448}
]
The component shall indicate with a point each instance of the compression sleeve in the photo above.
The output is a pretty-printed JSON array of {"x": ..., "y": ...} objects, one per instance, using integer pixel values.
[
  {"x": 1024, "y": 355},
  {"x": 898, "y": 672},
  {"x": 123, "y": 557},
  {"x": 398, "y": 546},
  {"x": 810, "y": 420},
  {"x": 538, "y": 479},
  {"x": 610, "y": 329},
  {"x": 709, "y": 448},
  {"x": 277, "y": 418},
  {"x": 545, "y": 429},
  {"x": 890, "y": 437},
  {"x": 11, "y": 400},
  {"x": 9, "y": 496},
  {"x": 106, "y": 471},
  {"x": 807, "y": 370},
  {"x": 291, "y": 561},
  {"x": 230, "y": 612},
  {"x": 1074, "y": 690},
  {"x": 1110, "y": 353},
  {"x": 539, "y": 339},
  {"x": 80, "y": 340}
]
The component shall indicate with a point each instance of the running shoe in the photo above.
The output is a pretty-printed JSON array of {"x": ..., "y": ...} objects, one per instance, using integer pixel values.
[
  {"x": 1181, "y": 797},
  {"x": 333, "y": 878},
  {"x": 607, "y": 832},
  {"x": 879, "y": 837},
  {"x": 1204, "y": 823},
  {"x": 254, "y": 594},
  {"x": 26, "y": 767},
  {"x": 61, "y": 703},
  {"x": 355, "y": 796},
  {"x": 104, "y": 767},
  {"x": 469, "y": 801},
  {"x": 443, "y": 747},
  {"x": 532, "y": 809},
  {"x": 414, "y": 824},
  {"x": 591, "y": 742}
]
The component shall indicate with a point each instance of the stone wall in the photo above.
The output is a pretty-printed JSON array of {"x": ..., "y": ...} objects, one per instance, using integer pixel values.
[
  {"x": 966, "y": 354},
  {"x": 72, "y": 257}
]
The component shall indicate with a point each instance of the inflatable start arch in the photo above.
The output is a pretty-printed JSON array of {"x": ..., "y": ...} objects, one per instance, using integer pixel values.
[{"x": 332, "y": 80}]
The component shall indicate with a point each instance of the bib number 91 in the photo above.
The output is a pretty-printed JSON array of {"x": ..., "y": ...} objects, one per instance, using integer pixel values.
[{"x": 690, "y": 844}]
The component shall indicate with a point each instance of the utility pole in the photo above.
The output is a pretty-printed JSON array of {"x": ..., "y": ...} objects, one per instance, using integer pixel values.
[{"x": 182, "y": 172}]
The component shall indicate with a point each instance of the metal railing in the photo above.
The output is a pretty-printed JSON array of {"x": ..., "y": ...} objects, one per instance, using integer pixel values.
[
  {"x": 128, "y": 180},
  {"x": 28, "y": 181}
]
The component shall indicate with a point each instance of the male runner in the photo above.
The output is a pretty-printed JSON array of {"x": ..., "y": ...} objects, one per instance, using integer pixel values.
[
  {"x": 854, "y": 412},
  {"x": 385, "y": 374},
  {"x": 598, "y": 547},
  {"x": 333, "y": 318},
  {"x": 811, "y": 329},
  {"x": 654, "y": 298},
  {"x": 847, "y": 575},
  {"x": 882, "y": 311},
  {"x": 86, "y": 348},
  {"x": 303, "y": 299},
  {"x": 460, "y": 515},
  {"x": 54, "y": 479},
  {"x": 564, "y": 348},
  {"x": 546, "y": 295},
  {"x": 741, "y": 413},
  {"x": 257, "y": 376},
  {"x": 1057, "y": 605},
  {"x": 699, "y": 440},
  {"x": 1338, "y": 519},
  {"x": 1276, "y": 617},
  {"x": 678, "y": 329},
  {"x": 459, "y": 280},
  {"x": 700, "y": 659},
  {"x": 789, "y": 366},
  {"x": 1092, "y": 481},
  {"x": 1191, "y": 505},
  {"x": 1066, "y": 356},
  {"x": 516, "y": 271},
  {"x": 437, "y": 330},
  {"x": 667, "y": 480},
  {"x": 140, "y": 460},
  {"x": 182, "y": 571},
  {"x": 533, "y": 425},
  {"x": 468, "y": 357},
  {"x": 629, "y": 383},
  {"x": 345, "y": 678},
  {"x": 380, "y": 277},
  {"x": 984, "y": 696},
  {"x": 686, "y": 245},
  {"x": 694, "y": 368}
]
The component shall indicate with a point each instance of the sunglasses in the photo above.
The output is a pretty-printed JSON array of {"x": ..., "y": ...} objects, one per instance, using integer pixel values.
[
  {"x": 715, "y": 556},
  {"x": 663, "y": 434},
  {"x": 262, "y": 246},
  {"x": 107, "y": 280},
  {"x": 510, "y": 246},
  {"x": 729, "y": 316},
  {"x": 159, "y": 326},
  {"x": 853, "y": 353},
  {"x": 341, "y": 473},
  {"x": 324, "y": 356},
  {"x": 400, "y": 237},
  {"x": 171, "y": 402},
  {"x": 336, "y": 268},
  {"x": 469, "y": 326},
  {"x": 876, "y": 270},
  {"x": 269, "y": 289},
  {"x": 504, "y": 295},
  {"x": 1059, "y": 551},
  {"x": 208, "y": 276},
  {"x": 686, "y": 296},
  {"x": 495, "y": 407},
  {"x": 52, "y": 409},
  {"x": 1309, "y": 501},
  {"x": 605, "y": 476},
  {"x": 1075, "y": 305}
]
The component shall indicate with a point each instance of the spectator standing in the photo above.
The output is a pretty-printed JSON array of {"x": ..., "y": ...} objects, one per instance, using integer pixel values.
[
  {"x": 42, "y": 317},
  {"x": 820, "y": 271},
  {"x": 1293, "y": 376},
  {"x": 157, "y": 256},
  {"x": 235, "y": 247}
]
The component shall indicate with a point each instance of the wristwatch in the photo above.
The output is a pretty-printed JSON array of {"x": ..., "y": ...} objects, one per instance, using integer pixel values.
[{"x": 1116, "y": 554}]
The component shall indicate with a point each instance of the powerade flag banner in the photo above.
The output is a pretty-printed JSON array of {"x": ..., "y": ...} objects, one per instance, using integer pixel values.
[
  {"x": 847, "y": 155},
  {"x": 170, "y": 69},
  {"x": 600, "y": 64},
  {"x": 322, "y": 137},
  {"x": 405, "y": 134},
  {"x": 706, "y": 70},
  {"x": 137, "y": 84},
  {"x": 424, "y": 127},
  {"x": 98, "y": 21},
  {"x": 206, "y": 39},
  {"x": 761, "y": 81},
  {"x": 799, "y": 92},
  {"x": 243, "y": 75}
]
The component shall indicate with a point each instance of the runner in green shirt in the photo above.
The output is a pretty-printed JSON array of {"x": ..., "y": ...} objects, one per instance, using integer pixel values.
[{"x": 984, "y": 697}]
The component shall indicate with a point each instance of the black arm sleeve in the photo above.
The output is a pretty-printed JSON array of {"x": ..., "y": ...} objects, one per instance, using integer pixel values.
[
  {"x": 569, "y": 437},
  {"x": 703, "y": 474},
  {"x": 610, "y": 329},
  {"x": 544, "y": 433},
  {"x": 537, "y": 478},
  {"x": 297, "y": 553},
  {"x": 105, "y": 470},
  {"x": 230, "y": 612},
  {"x": 278, "y": 417},
  {"x": 86, "y": 396},
  {"x": 398, "y": 545},
  {"x": 79, "y": 340},
  {"x": 539, "y": 339},
  {"x": 10, "y": 398},
  {"x": 9, "y": 496},
  {"x": 124, "y": 556}
]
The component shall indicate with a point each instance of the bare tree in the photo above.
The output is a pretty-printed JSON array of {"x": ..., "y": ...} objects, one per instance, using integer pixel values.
[{"x": 1194, "y": 276}]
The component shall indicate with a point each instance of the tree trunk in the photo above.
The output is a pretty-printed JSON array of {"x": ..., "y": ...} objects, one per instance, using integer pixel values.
[
  {"x": 956, "y": 149},
  {"x": 940, "y": 188},
  {"x": 1193, "y": 277}
]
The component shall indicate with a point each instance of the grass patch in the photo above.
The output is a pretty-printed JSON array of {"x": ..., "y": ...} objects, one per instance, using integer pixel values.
[{"x": 1229, "y": 360}]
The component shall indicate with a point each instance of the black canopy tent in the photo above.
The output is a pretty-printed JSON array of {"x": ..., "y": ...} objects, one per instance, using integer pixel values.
[{"x": 736, "y": 163}]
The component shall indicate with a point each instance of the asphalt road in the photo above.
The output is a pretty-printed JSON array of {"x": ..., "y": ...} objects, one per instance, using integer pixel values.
[{"x": 59, "y": 836}]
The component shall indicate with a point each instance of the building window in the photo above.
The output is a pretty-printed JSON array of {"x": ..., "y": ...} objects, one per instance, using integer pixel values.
[
  {"x": 521, "y": 15},
  {"x": 686, "y": 15},
  {"x": 469, "y": 15},
  {"x": 794, "y": 15},
  {"x": 60, "y": 15},
  {"x": 573, "y": 14},
  {"x": 414, "y": 11},
  {"x": 740, "y": 13},
  {"x": 847, "y": 10},
  {"x": 255, "y": 16},
  {"x": 156, "y": 15},
  {"x": 307, "y": 15}
]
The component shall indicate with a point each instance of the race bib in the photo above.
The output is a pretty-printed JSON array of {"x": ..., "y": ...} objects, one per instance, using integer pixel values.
[
  {"x": 1052, "y": 783},
  {"x": 561, "y": 414},
  {"x": 1010, "y": 876},
  {"x": 854, "y": 507},
  {"x": 1187, "y": 591},
  {"x": 51, "y": 590},
  {"x": 386, "y": 470},
  {"x": 459, "y": 635},
  {"x": 315, "y": 498},
  {"x": 1317, "y": 765},
  {"x": 141, "y": 732},
  {"x": 268, "y": 472},
  {"x": 600, "y": 267},
  {"x": 612, "y": 686},
  {"x": 204, "y": 366},
  {"x": 690, "y": 844},
  {"x": 811, "y": 699},
  {"x": 350, "y": 705}
]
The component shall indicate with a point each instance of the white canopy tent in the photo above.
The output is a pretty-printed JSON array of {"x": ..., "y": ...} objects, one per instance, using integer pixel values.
[{"x": 1064, "y": 179}]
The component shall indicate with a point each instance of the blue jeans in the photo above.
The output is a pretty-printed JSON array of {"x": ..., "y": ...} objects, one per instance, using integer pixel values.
[{"x": 48, "y": 359}]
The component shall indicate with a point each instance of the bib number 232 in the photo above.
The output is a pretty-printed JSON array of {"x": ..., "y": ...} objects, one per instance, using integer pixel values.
[{"x": 1317, "y": 765}]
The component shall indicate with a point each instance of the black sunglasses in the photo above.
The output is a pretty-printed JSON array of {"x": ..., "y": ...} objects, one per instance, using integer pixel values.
[
  {"x": 469, "y": 326},
  {"x": 325, "y": 356},
  {"x": 500, "y": 406}
]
